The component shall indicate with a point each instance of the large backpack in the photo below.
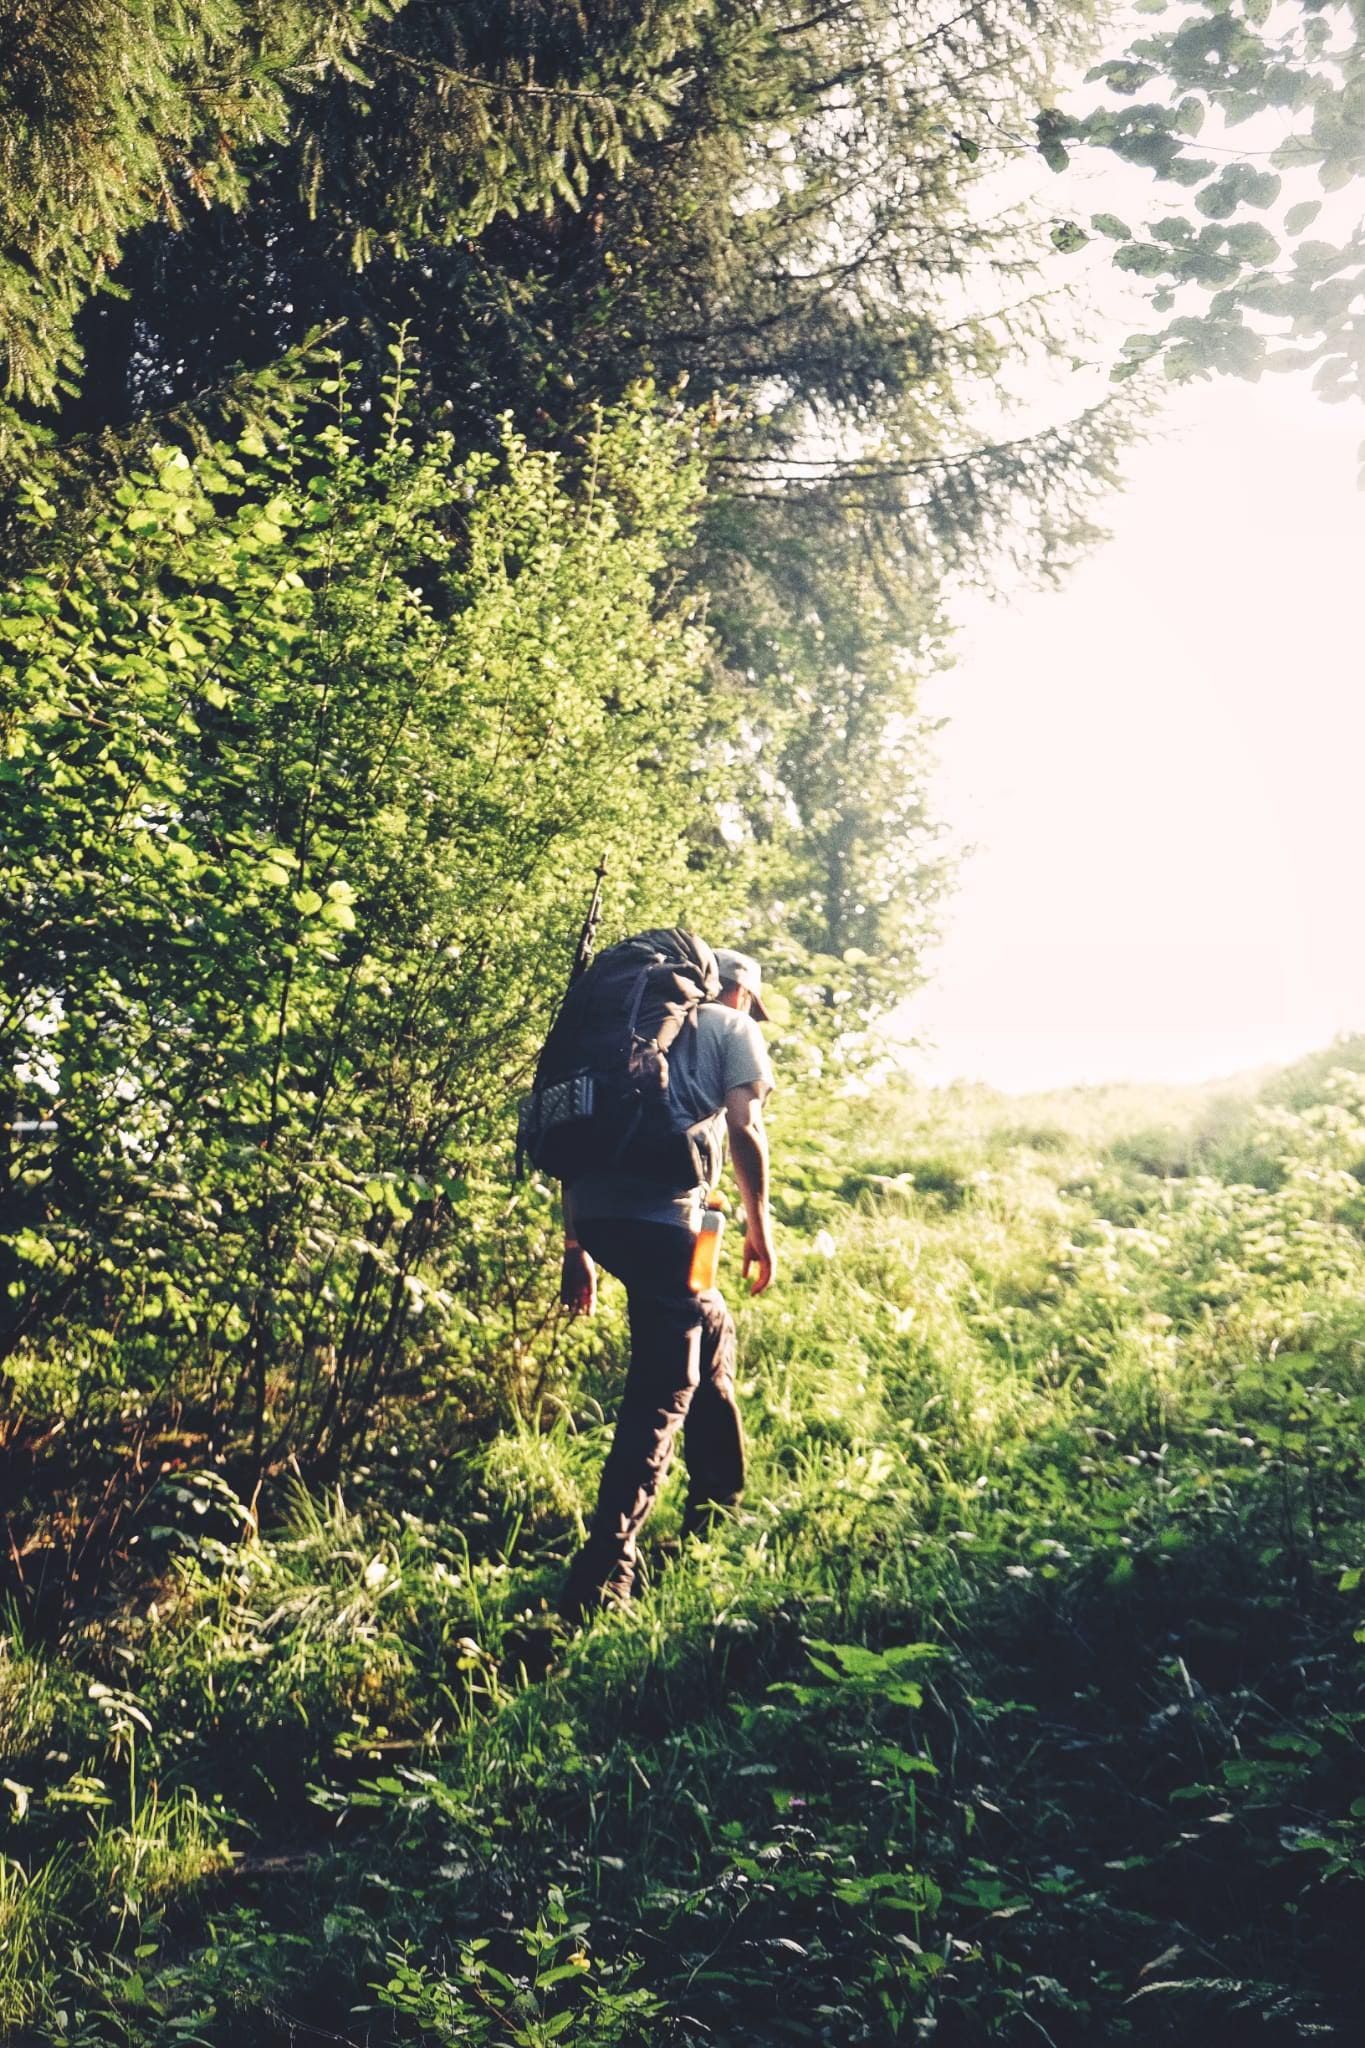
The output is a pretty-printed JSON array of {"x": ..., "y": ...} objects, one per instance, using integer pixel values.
[{"x": 601, "y": 1101}]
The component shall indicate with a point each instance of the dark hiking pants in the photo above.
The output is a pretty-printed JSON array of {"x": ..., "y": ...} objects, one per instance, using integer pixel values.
[{"x": 682, "y": 1367}]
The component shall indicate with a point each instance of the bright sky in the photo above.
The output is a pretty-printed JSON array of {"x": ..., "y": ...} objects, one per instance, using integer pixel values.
[{"x": 1162, "y": 769}]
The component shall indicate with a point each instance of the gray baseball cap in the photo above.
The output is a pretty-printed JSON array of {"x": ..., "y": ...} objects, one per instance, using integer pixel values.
[{"x": 743, "y": 969}]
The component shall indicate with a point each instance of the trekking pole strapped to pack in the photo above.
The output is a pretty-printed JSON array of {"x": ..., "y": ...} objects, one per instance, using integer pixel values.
[
  {"x": 587, "y": 938},
  {"x": 601, "y": 1101}
]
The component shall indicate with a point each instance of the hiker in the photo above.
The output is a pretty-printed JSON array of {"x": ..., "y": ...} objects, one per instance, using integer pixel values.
[{"x": 682, "y": 1342}]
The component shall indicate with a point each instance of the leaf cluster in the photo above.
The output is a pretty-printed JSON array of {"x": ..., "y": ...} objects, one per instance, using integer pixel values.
[{"x": 1252, "y": 297}]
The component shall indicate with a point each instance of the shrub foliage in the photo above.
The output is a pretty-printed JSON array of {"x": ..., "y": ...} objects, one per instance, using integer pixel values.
[{"x": 311, "y": 752}]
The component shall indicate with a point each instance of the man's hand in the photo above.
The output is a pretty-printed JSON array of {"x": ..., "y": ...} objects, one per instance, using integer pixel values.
[
  {"x": 577, "y": 1281},
  {"x": 759, "y": 1251}
]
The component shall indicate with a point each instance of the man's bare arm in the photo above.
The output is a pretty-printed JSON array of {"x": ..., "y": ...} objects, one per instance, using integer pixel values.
[{"x": 749, "y": 1152}]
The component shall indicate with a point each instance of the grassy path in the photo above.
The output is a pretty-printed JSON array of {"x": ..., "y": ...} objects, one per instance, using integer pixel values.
[{"x": 1023, "y": 1702}]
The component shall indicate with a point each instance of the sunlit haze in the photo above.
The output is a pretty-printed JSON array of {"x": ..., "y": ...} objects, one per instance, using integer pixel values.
[{"x": 1160, "y": 768}]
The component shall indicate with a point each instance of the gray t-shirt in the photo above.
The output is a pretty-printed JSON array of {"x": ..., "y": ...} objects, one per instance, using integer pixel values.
[{"x": 724, "y": 1051}]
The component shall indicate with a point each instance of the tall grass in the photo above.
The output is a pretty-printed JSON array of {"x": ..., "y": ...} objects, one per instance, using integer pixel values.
[
  {"x": 1029, "y": 1655},
  {"x": 32, "y": 1922}
]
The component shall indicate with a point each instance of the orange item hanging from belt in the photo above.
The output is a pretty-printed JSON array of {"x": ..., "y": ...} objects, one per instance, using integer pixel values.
[{"x": 706, "y": 1253}]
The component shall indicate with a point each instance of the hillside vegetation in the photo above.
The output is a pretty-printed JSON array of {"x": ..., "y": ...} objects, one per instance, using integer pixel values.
[
  {"x": 448, "y": 451},
  {"x": 1021, "y": 1701}
]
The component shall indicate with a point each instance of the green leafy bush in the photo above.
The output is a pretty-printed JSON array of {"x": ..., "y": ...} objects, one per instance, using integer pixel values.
[{"x": 308, "y": 756}]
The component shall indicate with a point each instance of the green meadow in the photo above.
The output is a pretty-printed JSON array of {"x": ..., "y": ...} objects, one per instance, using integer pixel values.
[{"x": 1022, "y": 1699}]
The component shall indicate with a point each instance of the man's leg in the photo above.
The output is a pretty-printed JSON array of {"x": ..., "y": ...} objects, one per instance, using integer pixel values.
[
  {"x": 666, "y": 1323},
  {"x": 713, "y": 1438}
]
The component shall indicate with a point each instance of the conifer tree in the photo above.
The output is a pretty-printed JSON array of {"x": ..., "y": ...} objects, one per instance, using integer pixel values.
[
  {"x": 782, "y": 211},
  {"x": 391, "y": 126},
  {"x": 115, "y": 115}
]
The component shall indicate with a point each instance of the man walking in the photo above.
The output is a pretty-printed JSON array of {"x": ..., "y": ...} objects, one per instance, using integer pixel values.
[{"x": 682, "y": 1343}]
